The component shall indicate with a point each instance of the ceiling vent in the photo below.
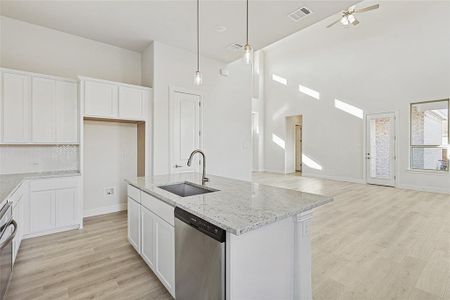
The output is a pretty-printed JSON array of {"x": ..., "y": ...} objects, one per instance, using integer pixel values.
[
  {"x": 235, "y": 47},
  {"x": 299, "y": 14}
]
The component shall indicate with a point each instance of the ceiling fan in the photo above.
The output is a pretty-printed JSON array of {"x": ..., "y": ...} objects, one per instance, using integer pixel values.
[{"x": 348, "y": 17}]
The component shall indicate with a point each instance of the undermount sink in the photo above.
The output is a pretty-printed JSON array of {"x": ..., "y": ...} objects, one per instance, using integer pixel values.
[{"x": 186, "y": 189}]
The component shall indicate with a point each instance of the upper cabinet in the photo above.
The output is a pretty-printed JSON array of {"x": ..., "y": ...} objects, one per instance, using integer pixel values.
[
  {"x": 38, "y": 109},
  {"x": 114, "y": 100}
]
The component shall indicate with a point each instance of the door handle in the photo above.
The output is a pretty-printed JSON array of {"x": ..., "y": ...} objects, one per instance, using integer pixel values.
[{"x": 178, "y": 166}]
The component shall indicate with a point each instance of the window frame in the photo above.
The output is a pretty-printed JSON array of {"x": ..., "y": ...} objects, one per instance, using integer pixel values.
[{"x": 412, "y": 146}]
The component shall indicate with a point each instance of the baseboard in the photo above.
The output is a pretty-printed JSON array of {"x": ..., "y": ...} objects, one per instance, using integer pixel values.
[
  {"x": 430, "y": 189},
  {"x": 51, "y": 231},
  {"x": 337, "y": 178},
  {"x": 273, "y": 171},
  {"x": 105, "y": 210}
]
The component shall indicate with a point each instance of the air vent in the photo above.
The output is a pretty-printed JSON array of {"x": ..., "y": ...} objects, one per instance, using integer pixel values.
[
  {"x": 299, "y": 14},
  {"x": 235, "y": 47}
]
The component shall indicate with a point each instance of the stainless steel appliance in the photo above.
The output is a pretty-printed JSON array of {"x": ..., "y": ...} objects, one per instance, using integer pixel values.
[
  {"x": 199, "y": 258},
  {"x": 8, "y": 229}
]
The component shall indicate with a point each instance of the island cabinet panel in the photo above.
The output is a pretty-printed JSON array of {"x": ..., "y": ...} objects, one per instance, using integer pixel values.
[
  {"x": 17, "y": 200},
  {"x": 148, "y": 237},
  {"x": 54, "y": 205},
  {"x": 134, "y": 226},
  {"x": 157, "y": 234},
  {"x": 15, "y": 108}
]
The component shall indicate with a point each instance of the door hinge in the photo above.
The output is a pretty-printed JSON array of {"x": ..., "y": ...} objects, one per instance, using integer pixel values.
[
  {"x": 199, "y": 133},
  {"x": 199, "y": 104}
]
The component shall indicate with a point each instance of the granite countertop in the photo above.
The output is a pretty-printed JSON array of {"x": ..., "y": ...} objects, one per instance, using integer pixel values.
[
  {"x": 10, "y": 182},
  {"x": 239, "y": 206}
]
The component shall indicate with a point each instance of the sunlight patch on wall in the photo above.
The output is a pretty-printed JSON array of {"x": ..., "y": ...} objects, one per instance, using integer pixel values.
[
  {"x": 310, "y": 92},
  {"x": 348, "y": 108},
  {"x": 279, "y": 141},
  {"x": 310, "y": 163},
  {"x": 279, "y": 79}
]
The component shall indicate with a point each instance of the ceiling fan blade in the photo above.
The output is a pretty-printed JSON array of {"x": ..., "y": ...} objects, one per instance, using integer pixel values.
[
  {"x": 333, "y": 23},
  {"x": 356, "y": 22},
  {"x": 367, "y": 8}
]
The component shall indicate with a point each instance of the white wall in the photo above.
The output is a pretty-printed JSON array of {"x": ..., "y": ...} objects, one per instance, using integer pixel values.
[
  {"x": 33, "y": 48},
  {"x": 226, "y": 110},
  {"x": 397, "y": 55},
  {"x": 110, "y": 156}
]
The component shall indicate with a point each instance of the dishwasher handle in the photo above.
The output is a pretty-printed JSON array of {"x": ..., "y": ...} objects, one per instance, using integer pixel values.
[{"x": 204, "y": 226}]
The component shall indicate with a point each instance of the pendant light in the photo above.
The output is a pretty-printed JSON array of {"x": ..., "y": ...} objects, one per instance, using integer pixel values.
[
  {"x": 198, "y": 76},
  {"x": 248, "y": 49}
]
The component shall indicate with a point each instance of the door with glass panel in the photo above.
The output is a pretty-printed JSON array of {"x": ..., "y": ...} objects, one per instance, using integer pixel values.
[{"x": 380, "y": 149}]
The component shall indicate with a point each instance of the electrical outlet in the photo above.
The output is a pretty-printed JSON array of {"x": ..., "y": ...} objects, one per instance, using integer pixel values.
[{"x": 109, "y": 191}]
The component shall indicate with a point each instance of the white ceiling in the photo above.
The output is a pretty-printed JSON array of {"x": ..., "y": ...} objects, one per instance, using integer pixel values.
[{"x": 134, "y": 24}]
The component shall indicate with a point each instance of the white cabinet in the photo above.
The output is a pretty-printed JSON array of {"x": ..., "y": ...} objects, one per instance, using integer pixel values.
[
  {"x": 38, "y": 109},
  {"x": 67, "y": 113},
  {"x": 65, "y": 207},
  {"x": 100, "y": 99},
  {"x": 148, "y": 236},
  {"x": 157, "y": 235},
  {"x": 15, "y": 105},
  {"x": 165, "y": 253},
  {"x": 114, "y": 100},
  {"x": 54, "y": 205},
  {"x": 42, "y": 211},
  {"x": 43, "y": 129},
  {"x": 134, "y": 224},
  {"x": 132, "y": 103}
]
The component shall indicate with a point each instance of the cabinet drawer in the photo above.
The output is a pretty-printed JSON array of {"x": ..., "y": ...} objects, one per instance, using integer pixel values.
[
  {"x": 53, "y": 183},
  {"x": 134, "y": 193},
  {"x": 158, "y": 207}
]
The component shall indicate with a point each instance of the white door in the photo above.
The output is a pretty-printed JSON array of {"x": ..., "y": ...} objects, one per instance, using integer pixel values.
[
  {"x": 43, "y": 110},
  {"x": 380, "y": 149},
  {"x": 15, "y": 103},
  {"x": 148, "y": 236},
  {"x": 66, "y": 112},
  {"x": 134, "y": 217},
  {"x": 185, "y": 130},
  {"x": 165, "y": 253}
]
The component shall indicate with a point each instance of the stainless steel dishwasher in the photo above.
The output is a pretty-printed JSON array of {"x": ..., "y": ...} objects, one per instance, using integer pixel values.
[{"x": 199, "y": 258}]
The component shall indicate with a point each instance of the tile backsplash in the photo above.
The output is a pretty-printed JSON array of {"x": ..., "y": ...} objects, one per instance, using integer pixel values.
[{"x": 38, "y": 158}]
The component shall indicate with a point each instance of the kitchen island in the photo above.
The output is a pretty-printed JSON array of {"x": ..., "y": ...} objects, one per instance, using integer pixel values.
[{"x": 267, "y": 232}]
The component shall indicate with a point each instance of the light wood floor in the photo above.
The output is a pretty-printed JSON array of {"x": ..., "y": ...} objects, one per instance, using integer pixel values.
[
  {"x": 94, "y": 263},
  {"x": 370, "y": 243},
  {"x": 376, "y": 242}
]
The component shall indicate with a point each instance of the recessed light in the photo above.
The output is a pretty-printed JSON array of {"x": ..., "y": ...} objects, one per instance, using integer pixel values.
[{"x": 221, "y": 28}]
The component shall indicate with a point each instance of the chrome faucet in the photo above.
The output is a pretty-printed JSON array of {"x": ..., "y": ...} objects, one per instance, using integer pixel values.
[{"x": 189, "y": 162}]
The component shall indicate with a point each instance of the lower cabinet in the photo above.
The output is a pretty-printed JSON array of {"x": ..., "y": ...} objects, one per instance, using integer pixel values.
[
  {"x": 134, "y": 226},
  {"x": 54, "y": 205},
  {"x": 157, "y": 238},
  {"x": 18, "y": 200}
]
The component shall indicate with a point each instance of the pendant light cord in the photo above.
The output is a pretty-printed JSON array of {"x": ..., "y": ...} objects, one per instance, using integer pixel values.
[
  {"x": 198, "y": 35},
  {"x": 247, "y": 25}
]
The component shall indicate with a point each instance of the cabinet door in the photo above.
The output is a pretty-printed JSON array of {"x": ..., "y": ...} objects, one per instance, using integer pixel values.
[
  {"x": 131, "y": 103},
  {"x": 43, "y": 110},
  {"x": 42, "y": 211},
  {"x": 100, "y": 99},
  {"x": 134, "y": 217},
  {"x": 17, "y": 215},
  {"x": 148, "y": 237},
  {"x": 165, "y": 253},
  {"x": 66, "y": 112},
  {"x": 15, "y": 108},
  {"x": 65, "y": 207}
]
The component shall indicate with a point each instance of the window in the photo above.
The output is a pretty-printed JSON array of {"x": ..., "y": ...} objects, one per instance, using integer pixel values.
[{"x": 429, "y": 135}]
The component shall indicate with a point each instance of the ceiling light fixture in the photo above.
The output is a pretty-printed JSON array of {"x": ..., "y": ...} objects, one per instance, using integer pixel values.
[
  {"x": 198, "y": 76},
  {"x": 248, "y": 49}
]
